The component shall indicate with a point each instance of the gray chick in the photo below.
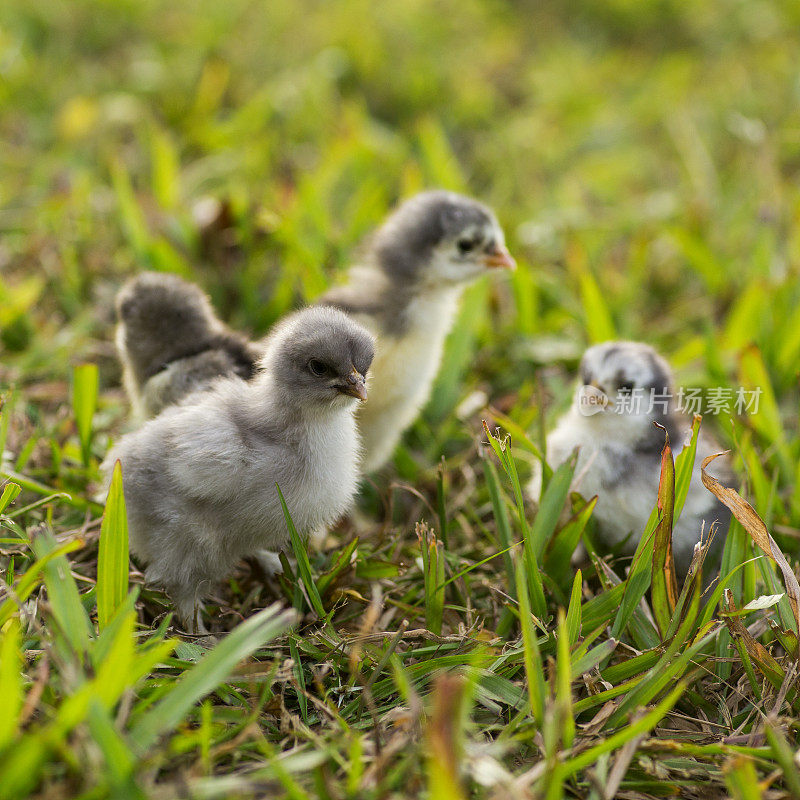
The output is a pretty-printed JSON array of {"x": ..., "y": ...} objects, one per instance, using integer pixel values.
[
  {"x": 199, "y": 479},
  {"x": 623, "y": 388},
  {"x": 406, "y": 293},
  {"x": 171, "y": 343}
]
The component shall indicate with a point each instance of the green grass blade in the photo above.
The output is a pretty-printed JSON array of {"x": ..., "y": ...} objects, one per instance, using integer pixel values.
[
  {"x": 668, "y": 669},
  {"x": 784, "y": 755},
  {"x": 31, "y": 577},
  {"x": 589, "y": 660},
  {"x": 10, "y": 493},
  {"x": 534, "y": 670},
  {"x": 31, "y": 485},
  {"x": 742, "y": 779},
  {"x": 564, "y": 682},
  {"x": 62, "y": 592},
  {"x": 684, "y": 468},
  {"x": 165, "y": 173},
  {"x": 639, "y": 577},
  {"x": 433, "y": 562},
  {"x": 7, "y": 402},
  {"x": 297, "y": 669},
  {"x": 10, "y": 681},
  {"x": 441, "y": 502},
  {"x": 208, "y": 673},
  {"x": 119, "y": 760},
  {"x": 85, "y": 388},
  {"x": 635, "y": 728},
  {"x": 112, "y": 559},
  {"x": 574, "y": 610},
  {"x": 105, "y": 641},
  {"x": 131, "y": 216},
  {"x": 597, "y": 315},
  {"x": 340, "y": 565},
  {"x": 500, "y": 511},
  {"x": 20, "y": 765},
  {"x": 551, "y": 505},
  {"x": 558, "y": 558},
  {"x": 300, "y": 550},
  {"x": 502, "y": 449}
]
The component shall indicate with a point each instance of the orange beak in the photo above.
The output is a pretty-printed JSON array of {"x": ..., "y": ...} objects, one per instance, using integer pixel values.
[
  {"x": 356, "y": 385},
  {"x": 499, "y": 258}
]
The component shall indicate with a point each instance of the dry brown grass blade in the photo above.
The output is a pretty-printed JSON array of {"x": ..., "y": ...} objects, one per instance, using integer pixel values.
[
  {"x": 757, "y": 651},
  {"x": 755, "y": 526},
  {"x": 620, "y": 768}
]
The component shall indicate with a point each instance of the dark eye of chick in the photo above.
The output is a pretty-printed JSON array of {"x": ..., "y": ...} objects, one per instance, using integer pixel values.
[
  {"x": 467, "y": 245},
  {"x": 625, "y": 386},
  {"x": 318, "y": 368}
]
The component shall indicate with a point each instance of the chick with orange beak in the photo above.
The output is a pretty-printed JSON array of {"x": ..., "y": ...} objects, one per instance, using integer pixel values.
[
  {"x": 406, "y": 292},
  {"x": 200, "y": 478}
]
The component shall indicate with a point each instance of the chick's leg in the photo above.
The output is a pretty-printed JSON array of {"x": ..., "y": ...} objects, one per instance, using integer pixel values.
[
  {"x": 187, "y": 574},
  {"x": 190, "y": 611},
  {"x": 270, "y": 562}
]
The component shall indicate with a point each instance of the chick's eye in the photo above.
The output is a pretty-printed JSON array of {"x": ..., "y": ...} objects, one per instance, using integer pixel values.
[
  {"x": 625, "y": 386},
  {"x": 466, "y": 245},
  {"x": 318, "y": 368}
]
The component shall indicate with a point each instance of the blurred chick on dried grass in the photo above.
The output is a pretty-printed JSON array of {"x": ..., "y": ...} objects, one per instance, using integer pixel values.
[
  {"x": 199, "y": 479},
  {"x": 611, "y": 422}
]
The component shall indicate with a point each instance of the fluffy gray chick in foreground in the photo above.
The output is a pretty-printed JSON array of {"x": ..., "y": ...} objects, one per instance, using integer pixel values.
[
  {"x": 620, "y": 453},
  {"x": 171, "y": 343},
  {"x": 405, "y": 292},
  {"x": 200, "y": 478}
]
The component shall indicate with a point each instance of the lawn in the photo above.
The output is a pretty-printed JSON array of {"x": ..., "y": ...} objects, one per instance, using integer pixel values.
[{"x": 644, "y": 160}]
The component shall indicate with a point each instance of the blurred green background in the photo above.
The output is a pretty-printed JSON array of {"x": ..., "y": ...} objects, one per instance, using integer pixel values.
[{"x": 643, "y": 158}]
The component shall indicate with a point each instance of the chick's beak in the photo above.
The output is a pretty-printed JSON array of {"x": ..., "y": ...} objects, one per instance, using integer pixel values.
[
  {"x": 356, "y": 385},
  {"x": 499, "y": 258},
  {"x": 598, "y": 394}
]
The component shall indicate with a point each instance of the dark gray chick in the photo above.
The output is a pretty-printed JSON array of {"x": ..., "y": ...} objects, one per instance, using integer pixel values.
[{"x": 171, "y": 343}]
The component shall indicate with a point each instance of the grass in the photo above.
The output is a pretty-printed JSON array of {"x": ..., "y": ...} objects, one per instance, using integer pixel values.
[{"x": 644, "y": 161}]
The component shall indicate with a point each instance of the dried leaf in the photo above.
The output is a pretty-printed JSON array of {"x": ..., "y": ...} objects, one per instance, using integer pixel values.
[
  {"x": 760, "y": 655},
  {"x": 755, "y": 526}
]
